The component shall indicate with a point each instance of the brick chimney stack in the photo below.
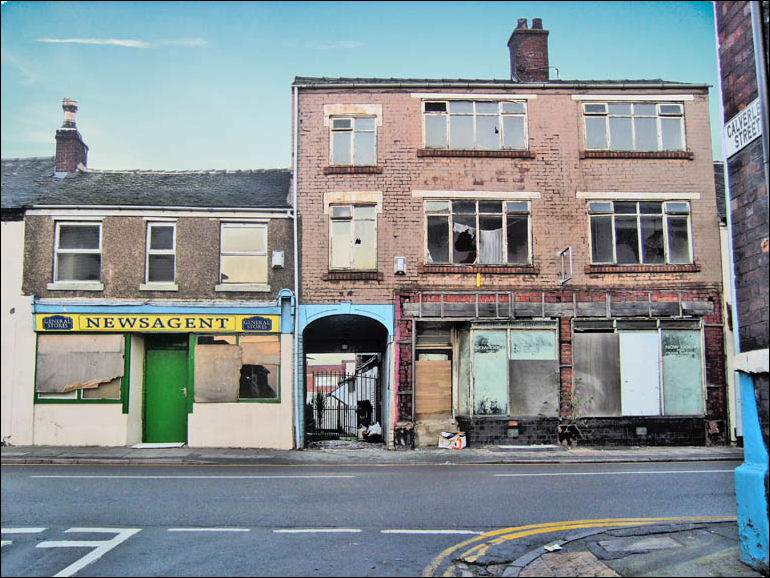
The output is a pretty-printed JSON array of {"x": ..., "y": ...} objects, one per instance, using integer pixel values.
[
  {"x": 529, "y": 52},
  {"x": 70, "y": 148}
]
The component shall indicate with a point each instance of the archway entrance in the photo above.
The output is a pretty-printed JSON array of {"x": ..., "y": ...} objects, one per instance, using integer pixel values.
[{"x": 344, "y": 366}]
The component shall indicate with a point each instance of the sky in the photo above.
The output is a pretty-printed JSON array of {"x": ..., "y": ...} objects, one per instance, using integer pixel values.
[{"x": 207, "y": 85}]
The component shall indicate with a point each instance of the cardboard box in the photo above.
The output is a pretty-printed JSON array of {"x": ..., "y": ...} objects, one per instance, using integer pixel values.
[{"x": 452, "y": 440}]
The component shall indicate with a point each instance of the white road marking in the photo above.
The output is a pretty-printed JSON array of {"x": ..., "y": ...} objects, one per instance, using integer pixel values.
[
  {"x": 209, "y": 530},
  {"x": 101, "y": 547},
  {"x": 308, "y": 477},
  {"x": 22, "y": 530},
  {"x": 615, "y": 473},
  {"x": 317, "y": 531},
  {"x": 431, "y": 532}
]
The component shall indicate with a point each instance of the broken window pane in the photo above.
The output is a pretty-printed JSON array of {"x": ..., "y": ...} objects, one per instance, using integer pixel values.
[
  {"x": 364, "y": 245},
  {"x": 518, "y": 239},
  {"x": 487, "y": 132},
  {"x": 435, "y": 107},
  {"x": 678, "y": 240},
  {"x": 68, "y": 363},
  {"x": 438, "y": 239},
  {"x": 464, "y": 239},
  {"x": 258, "y": 382},
  {"x": 491, "y": 239},
  {"x": 652, "y": 240},
  {"x": 601, "y": 239},
  {"x": 627, "y": 240}
]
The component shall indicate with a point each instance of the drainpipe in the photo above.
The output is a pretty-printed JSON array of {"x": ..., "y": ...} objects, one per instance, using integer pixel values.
[{"x": 298, "y": 401}]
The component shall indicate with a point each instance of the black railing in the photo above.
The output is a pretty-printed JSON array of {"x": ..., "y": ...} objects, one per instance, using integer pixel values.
[{"x": 337, "y": 405}]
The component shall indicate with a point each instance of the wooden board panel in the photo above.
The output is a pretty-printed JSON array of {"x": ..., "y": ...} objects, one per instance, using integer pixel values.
[{"x": 433, "y": 387}]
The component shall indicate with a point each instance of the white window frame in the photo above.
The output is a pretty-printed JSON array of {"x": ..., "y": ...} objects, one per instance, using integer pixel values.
[
  {"x": 450, "y": 224},
  {"x": 352, "y": 218},
  {"x": 500, "y": 115},
  {"x": 667, "y": 211},
  {"x": 58, "y": 251},
  {"x": 353, "y": 130},
  {"x": 226, "y": 285},
  {"x": 659, "y": 115},
  {"x": 151, "y": 252}
]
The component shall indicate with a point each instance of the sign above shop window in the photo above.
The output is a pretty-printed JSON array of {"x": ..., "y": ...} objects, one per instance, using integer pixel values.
[{"x": 139, "y": 323}]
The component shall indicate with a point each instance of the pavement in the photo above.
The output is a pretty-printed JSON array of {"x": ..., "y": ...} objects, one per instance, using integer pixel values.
[{"x": 616, "y": 547}]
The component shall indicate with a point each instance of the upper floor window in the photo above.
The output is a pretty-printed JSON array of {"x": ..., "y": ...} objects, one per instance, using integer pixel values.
[
  {"x": 475, "y": 125},
  {"x": 478, "y": 232},
  {"x": 353, "y": 237},
  {"x": 243, "y": 253},
  {"x": 78, "y": 252},
  {"x": 634, "y": 126},
  {"x": 161, "y": 253},
  {"x": 354, "y": 141},
  {"x": 645, "y": 232}
]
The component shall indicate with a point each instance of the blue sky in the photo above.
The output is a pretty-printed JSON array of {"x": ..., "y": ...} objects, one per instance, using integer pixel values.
[{"x": 207, "y": 85}]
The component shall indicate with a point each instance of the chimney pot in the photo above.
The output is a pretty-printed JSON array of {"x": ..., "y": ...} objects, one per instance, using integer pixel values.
[
  {"x": 71, "y": 151},
  {"x": 529, "y": 52}
]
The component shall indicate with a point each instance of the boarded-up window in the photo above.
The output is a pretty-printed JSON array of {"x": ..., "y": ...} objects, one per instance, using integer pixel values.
[
  {"x": 229, "y": 368},
  {"x": 80, "y": 366},
  {"x": 534, "y": 373},
  {"x": 597, "y": 374}
]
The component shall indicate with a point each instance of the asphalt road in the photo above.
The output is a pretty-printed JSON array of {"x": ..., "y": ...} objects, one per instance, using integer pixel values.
[{"x": 316, "y": 520}]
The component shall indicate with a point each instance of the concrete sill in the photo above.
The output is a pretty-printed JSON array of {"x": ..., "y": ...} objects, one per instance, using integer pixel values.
[{"x": 75, "y": 286}]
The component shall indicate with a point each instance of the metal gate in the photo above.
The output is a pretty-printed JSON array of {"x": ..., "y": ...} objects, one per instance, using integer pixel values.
[{"x": 337, "y": 404}]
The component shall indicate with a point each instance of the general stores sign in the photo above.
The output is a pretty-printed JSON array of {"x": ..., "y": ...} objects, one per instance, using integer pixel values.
[
  {"x": 159, "y": 323},
  {"x": 742, "y": 129}
]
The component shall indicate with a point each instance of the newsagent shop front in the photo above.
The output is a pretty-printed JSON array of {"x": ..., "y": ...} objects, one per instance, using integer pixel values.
[{"x": 117, "y": 376}]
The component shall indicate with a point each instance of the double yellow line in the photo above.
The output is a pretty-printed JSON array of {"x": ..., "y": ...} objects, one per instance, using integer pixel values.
[{"x": 480, "y": 545}]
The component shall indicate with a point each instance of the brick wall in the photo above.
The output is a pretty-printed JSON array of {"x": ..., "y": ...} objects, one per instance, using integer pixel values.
[{"x": 557, "y": 172}]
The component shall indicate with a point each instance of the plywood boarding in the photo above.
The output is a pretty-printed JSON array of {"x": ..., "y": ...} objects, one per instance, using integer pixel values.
[{"x": 433, "y": 388}]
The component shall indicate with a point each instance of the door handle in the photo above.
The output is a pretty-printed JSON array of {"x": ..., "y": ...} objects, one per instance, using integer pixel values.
[{"x": 184, "y": 390}]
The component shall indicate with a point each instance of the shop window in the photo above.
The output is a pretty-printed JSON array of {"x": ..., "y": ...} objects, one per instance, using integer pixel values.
[
  {"x": 475, "y": 125},
  {"x": 640, "y": 233},
  {"x": 78, "y": 252},
  {"x": 353, "y": 237},
  {"x": 229, "y": 368},
  {"x": 478, "y": 232},
  {"x": 514, "y": 372},
  {"x": 354, "y": 141},
  {"x": 79, "y": 367},
  {"x": 243, "y": 257},
  {"x": 161, "y": 253},
  {"x": 627, "y": 373},
  {"x": 634, "y": 126}
]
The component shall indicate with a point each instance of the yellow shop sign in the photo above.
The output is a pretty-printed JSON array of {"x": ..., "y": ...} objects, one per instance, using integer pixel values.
[{"x": 159, "y": 323}]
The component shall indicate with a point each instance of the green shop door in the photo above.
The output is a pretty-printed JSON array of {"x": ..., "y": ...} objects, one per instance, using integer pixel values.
[{"x": 165, "y": 401}]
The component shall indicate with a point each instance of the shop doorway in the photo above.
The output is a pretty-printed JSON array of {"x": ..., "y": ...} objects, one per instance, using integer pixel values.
[{"x": 165, "y": 390}]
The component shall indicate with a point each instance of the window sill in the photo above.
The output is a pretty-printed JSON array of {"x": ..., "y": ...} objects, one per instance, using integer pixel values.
[
  {"x": 587, "y": 154},
  {"x": 346, "y": 170},
  {"x": 625, "y": 269},
  {"x": 75, "y": 286},
  {"x": 486, "y": 269},
  {"x": 244, "y": 287},
  {"x": 158, "y": 287},
  {"x": 506, "y": 154},
  {"x": 352, "y": 276}
]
